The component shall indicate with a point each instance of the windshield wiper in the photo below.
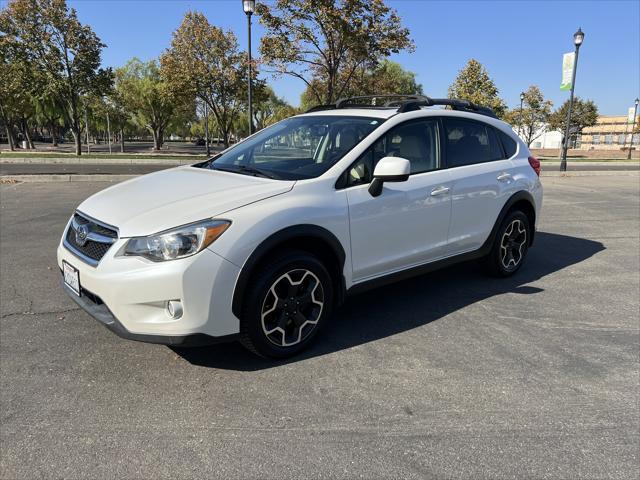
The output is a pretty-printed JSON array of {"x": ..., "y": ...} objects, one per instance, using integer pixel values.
[{"x": 244, "y": 170}]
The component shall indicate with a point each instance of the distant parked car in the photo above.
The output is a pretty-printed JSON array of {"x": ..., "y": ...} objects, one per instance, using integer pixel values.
[
  {"x": 261, "y": 242},
  {"x": 200, "y": 142}
]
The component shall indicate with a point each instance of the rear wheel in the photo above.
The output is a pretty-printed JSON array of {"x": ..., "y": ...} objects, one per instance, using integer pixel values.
[
  {"x": 290, "y": 300},
  {"x": 510, "y": 245}
]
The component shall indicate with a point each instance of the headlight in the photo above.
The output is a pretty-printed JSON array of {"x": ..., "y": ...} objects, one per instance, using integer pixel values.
[{"x": 177, "y": 243}]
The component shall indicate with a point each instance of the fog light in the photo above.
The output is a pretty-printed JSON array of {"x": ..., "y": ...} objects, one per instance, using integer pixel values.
[{"x": 174, "y": 308}]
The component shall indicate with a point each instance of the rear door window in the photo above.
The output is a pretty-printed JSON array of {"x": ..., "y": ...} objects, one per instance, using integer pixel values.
[
  {"x": 509, "y": 144},
  {"x": 469, "y": 142}
]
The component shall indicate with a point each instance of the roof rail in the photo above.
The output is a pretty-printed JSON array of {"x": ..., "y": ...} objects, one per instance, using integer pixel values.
[
  {"x": 319, "y": 108},
  {"x": 406, "y": 103},
  {"x": 454, "y": 103},
  {"x": 357, "y": 101}
]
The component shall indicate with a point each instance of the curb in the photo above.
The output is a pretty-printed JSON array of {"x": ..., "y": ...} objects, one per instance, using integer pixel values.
[
  {"x": 57, "y": 178},
  {"x": 592, "y": 173}
]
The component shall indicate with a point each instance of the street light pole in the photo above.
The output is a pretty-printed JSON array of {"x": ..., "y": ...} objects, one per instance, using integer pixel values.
[
  {"x": 109, "y": 133},
  {"x": 249, "y": 7},
  {"x": 521, "y": 119},
  {"x": 578, "y": 38},
  {"x": 86, "y": 126},
  {"x": 206, "y": 128},
  {"x": 633, "y": 126}
]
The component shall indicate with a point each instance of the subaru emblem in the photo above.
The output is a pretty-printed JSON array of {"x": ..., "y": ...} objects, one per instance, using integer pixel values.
[{"x": 82, "y": 232}]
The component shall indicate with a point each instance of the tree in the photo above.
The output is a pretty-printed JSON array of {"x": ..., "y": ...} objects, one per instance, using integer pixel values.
[
  {"x": 387, "y": 77},
  {"x": 17, "y": 81},
  {"x": 269, "y": 108},
  {"x": 50, "y": 113},
  {"x": 325, "y": 42},
  {"x": 148, "y": 97},
  {"x": 532, "y": 120},
  {"x": 584, "y": 113},
  {"x": 474, "y": 84},
  {"x": 61, "y": 50},
  {"x": 206, "y": 61}
]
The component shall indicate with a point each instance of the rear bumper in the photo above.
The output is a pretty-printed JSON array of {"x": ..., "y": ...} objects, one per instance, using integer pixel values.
[{"x": 101, "y": 312}]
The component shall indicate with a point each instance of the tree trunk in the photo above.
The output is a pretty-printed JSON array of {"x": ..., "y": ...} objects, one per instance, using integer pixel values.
[
  {"x": 24, "y": 126},
  {"x": 9, "y": 129},
  {"x": 121, "y": 140},
  {"x": 155, "y": 139},
  {"x": 52, "y": 131},
  {"x": 75, "y": 131},
  {"x": 12, "y": 145},
  {"x": 158, "y": 138},
  {"x": 225, "y": 137}
]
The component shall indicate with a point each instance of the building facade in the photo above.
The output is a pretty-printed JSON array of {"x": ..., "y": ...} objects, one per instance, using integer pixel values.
[{"x": 611, "y": 132}]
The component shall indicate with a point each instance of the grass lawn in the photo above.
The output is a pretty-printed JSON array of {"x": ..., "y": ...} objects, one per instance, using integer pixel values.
[{"x": 103, "y": 156}]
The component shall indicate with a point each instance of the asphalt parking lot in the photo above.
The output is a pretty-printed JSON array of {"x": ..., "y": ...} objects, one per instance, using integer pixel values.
[{"x": 450, "y": 375}]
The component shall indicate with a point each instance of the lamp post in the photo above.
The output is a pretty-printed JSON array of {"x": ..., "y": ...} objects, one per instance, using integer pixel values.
[
  {"x": 206, "y": 129},
  {"x": 521, "y": 100},
  {"x": 249, "y": 7},
  {"x": 578, "y": 38},
  {"x": 633, "y": 126}
]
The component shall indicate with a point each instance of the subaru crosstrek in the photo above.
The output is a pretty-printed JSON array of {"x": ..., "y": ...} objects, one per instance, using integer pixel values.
[{"x": 261, "y": 242}]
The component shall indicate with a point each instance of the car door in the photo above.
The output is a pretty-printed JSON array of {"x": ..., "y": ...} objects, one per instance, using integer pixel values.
[
  {"x": 481, "y": 181},
  {"x": 407, "y": 223}
]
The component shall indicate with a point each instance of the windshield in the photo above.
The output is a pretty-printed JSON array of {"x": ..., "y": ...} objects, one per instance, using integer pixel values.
[{"x": 296, "y": 148}]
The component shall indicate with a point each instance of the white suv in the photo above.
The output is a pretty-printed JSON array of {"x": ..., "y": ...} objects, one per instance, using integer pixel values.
[{"x": 263, "y": 241}]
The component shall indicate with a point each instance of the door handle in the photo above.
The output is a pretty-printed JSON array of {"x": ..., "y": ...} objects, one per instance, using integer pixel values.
[
  {"x": 439, "y": 191},
  {"x": 504, "y": 177}
]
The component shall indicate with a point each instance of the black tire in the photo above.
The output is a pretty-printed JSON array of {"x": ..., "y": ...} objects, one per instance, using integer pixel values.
[
  {"x": 298, "y": 320},
  {"x": 510, "y": 245}
]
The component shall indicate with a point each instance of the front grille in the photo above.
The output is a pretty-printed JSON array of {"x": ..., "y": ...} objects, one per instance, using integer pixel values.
[{"x": 98, "y": 240}]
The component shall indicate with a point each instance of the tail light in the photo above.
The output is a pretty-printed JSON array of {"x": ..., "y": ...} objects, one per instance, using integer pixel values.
[{"x": 535, "y": 164}]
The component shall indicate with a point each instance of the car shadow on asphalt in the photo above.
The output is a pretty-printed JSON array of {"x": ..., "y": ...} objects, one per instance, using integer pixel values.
[{"x": 412, "y": 303}]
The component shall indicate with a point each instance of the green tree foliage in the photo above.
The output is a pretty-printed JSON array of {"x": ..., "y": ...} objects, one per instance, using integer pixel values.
[
  {"x": 325, "y": 42},
  {"x": 532, "y": 120},
  {"x": 206, "y": 61},
  {"x": 387, "y": 77},
  {"x": 61, "y": 51},
  {"x": 474, "y": 84},
  {"x": 584, "y": 113},
  {"x": 269, "y": 108},
  {"x": 150, "y": 101},
  {"x": 17, "y": 82},
  {"x": 49, "y": 112}
]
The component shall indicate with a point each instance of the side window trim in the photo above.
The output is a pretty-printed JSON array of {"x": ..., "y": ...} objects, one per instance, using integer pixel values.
[{"x": 342, "y": 181}]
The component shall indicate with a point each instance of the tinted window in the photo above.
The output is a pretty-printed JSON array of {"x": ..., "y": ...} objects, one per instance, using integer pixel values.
[
  {"x": 296, "y": 148},
  {"x": 470, "y": 142},
  {"x": 415, "y": 141},
  {"x": 509, "y": 144}
]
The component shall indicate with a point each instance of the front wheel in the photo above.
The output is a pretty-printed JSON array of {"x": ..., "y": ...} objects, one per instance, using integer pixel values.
[
  {"x": 510, "y": 245},
  {"x": 290, "y": 300}
]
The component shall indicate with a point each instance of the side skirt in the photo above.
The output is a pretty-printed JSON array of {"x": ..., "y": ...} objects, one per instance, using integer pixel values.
[{"x": 419, "y": 270}]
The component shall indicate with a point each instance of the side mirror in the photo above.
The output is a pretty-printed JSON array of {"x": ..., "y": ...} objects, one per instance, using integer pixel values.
[{"x": 389, "y": 169}]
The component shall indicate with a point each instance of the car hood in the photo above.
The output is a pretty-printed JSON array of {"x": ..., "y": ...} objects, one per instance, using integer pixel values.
[{"x": 177, "y": 196}]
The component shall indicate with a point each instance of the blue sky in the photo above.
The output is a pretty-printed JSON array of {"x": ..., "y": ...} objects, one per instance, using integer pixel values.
[{"x": 520, "y": 43}]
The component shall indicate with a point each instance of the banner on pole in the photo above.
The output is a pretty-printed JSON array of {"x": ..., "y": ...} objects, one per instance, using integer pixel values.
[
  {"x": 568, "y": 60},
  {"x": 631, "y": 115}
]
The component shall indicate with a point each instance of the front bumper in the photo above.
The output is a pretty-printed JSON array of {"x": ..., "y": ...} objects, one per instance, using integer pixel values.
[
  {"x": 100, "y": 312},
  {"x": 129, "y": 295}
]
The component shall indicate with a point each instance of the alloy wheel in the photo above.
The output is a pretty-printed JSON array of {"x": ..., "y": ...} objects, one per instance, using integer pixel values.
[
  {"x": 292, "y": 307},
  {"x": 513, "y": 244}
]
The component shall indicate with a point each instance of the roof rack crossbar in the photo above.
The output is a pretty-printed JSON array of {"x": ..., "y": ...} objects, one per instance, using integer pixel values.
[
  {"x": 351, "y": 101},
  {"x": 406, "y": 103}
]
